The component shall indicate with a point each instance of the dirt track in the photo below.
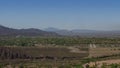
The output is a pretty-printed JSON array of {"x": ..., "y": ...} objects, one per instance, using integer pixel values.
[
  {"x": 76, "y": 50},
  {"x": 99, "y": 63}
]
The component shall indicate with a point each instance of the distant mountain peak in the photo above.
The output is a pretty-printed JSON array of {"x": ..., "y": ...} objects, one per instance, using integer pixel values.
[
  {"x": 5, "y": 31},
  {"x": 85, "y": 32},
  {"x": 1, "y": 26},
  {"x": 51, "y": 29}
]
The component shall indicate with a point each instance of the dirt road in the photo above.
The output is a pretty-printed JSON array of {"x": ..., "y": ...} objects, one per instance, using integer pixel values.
[
  {"x": 99, "y": 63},
  {"x": 76, "y": 50}
]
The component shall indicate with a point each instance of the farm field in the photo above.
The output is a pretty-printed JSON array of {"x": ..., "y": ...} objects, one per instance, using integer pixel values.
[
  {"x": 32, "y": 53},
  {"x": 59, "y": 57},
  {"x": 41, "y": 56},
  {"x": 103, "y": 51}
]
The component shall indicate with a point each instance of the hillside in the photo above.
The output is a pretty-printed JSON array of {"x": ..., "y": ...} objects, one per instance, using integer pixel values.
[{"x": 6, "y": 31}]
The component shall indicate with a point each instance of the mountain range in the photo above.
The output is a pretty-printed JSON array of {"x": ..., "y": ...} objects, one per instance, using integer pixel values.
[
  {"x": 84, "y": 32},
  {"x": 6, "y": 31}
]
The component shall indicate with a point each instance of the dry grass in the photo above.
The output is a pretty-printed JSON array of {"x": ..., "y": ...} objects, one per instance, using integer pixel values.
[{"x": 97, "y": 52}]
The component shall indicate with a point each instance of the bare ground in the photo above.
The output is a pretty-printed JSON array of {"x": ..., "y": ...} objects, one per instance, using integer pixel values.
[
  {"x": 76, "y": 50},
  {"x": 99, "y": 63}
]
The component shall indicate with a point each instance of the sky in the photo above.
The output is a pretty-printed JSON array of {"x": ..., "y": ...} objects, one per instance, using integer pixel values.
[{"x": 63, "y": 14}]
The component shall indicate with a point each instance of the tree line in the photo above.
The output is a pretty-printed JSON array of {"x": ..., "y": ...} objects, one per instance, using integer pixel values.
[{"x": 27, "y": 41}]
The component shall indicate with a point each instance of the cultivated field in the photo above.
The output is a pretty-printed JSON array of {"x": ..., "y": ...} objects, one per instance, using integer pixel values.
[
  {"x": 103, "y": 51},
  {"x": 57, "y": 52}
]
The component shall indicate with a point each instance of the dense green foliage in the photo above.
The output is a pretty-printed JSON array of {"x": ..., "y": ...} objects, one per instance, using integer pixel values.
[{"x": 25, "y": 41}]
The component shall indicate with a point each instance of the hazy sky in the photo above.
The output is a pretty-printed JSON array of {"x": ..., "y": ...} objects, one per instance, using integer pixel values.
[{"x": 64, "y": 14}]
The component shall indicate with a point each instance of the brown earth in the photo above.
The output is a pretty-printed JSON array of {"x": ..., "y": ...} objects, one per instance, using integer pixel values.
[{"x": 99, "y": 63}]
